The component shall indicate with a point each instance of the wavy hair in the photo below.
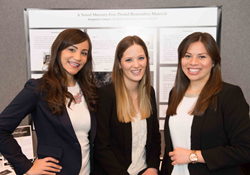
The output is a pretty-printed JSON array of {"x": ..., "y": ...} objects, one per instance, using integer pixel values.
[
  {"x": 125, "y": 109},
  {"x": 55, "y": 79},
  {"x": 212, "y": 87}
]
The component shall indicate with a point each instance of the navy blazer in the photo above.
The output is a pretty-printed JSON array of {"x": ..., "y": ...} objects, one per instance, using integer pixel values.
[
  {"x": 113, "y": 143},
  {"x": 55, "y": 134},
  {"x": 223, "y": 136}
]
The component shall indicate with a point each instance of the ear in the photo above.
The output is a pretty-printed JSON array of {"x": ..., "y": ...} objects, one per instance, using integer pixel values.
[{"x": 120, "y": 65}]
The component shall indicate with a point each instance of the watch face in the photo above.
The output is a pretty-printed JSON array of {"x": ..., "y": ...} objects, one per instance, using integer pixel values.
[{"x": 193, "y": 157}]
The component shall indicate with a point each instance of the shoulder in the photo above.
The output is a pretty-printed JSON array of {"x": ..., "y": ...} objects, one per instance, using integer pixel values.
[{"x": 230, "y": 90}]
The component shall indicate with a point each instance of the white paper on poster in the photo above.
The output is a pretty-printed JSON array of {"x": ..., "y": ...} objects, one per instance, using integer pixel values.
[
  {"x": 170, "y": 38},
  {"x": 52, "y": 18},
  {"x": 162, "y": 111},
  {"x": 161, "y": 124},
  {"x": 167, "y": 78},
  {"x": 36, "y": 76},
  {"x": 40, "y": 45},
  {"x": 104, "y": 42}
]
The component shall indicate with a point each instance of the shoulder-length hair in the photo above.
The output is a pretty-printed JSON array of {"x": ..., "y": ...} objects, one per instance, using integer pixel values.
[
  {"x": 212, "y": 87},
  {"x": 55, "y": 79},
  {"x": 125, "y": 109}
]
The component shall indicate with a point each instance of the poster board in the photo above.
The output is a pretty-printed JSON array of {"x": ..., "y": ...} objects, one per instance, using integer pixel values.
[{"x": 162, "y": 29}]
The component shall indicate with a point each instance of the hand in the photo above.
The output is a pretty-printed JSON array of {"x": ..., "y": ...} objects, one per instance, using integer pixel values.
[
  {"x": 180, "y": 156},
  {"x": 151, "y": 171},
  {"x": 43, "y": 166}
]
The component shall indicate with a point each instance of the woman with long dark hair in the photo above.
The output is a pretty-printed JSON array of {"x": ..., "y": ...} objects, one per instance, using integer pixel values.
[
  {"x": 62, "y": 105},
  {"x": 207, "y": 127},
  {"x": 128, "y": 138}
]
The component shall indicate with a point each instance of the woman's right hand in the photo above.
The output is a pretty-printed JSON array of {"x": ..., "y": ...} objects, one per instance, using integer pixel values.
[{"x": 44, "y": 166}]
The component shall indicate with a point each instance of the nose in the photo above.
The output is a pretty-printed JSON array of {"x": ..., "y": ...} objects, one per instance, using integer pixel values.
[
  {"x": 194, "y": 61},
  {"x": 78, "y": 56},
  {"x": 136, "y": 63}
]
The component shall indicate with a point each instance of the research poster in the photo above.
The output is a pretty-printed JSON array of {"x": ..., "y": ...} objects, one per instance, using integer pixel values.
[{"x": 162, "y": 29}]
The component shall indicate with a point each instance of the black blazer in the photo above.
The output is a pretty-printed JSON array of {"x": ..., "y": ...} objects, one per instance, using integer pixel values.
[
  {"x": 113, "y": 143},
  {"x": 55, "y": 134},
  {"x": 223, "y": 136}
]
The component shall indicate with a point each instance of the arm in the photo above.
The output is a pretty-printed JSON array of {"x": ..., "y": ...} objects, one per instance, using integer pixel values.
[
  {"x": 10, "y": 118},
  {"x": 235, "y": 112},
  {"x": 103, "y": 153},
  {"x": 22, "y": 105}
]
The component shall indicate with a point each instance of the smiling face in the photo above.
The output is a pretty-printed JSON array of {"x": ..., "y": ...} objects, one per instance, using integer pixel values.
[
  {"x": 196, "y": 63},
  {"x": 133, "y": 64},
  {"x": 73, "y": 58}
]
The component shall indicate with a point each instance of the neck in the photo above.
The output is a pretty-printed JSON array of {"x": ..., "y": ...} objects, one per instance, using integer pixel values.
[
  {"x": 71, "y": 82},
  {"x": 132, "y": 89},
  {"x": 195, "y": 87}
]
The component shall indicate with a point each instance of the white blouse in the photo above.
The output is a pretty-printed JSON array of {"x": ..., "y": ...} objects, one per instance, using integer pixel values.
[
  {"x": 80, "y": 119},
  {"x": 180, "y": 130},
  {"x": 139, "y": 138}
]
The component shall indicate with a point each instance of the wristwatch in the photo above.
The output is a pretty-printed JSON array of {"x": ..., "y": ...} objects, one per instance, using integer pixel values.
[{"x": 193, "y": 157}]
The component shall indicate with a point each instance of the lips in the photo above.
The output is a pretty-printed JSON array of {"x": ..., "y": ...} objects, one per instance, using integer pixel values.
[{"x": 73, "y": 64}]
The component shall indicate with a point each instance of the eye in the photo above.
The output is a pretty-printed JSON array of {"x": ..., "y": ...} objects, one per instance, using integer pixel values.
[
  {"x": 202, "y": 56},
  {"x": 128, "y": 60},
  {"x": 141, "y": 58},
  {"x": 187, "y": 56},
  {"x": 85, "y": 53},
  {"x": 71, "y": 49}
]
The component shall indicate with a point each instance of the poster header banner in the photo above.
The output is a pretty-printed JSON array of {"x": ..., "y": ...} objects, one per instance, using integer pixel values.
[{"x": 46, "y": 18}]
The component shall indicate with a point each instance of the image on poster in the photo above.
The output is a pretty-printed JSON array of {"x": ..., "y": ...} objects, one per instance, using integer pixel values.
[
  {"x": 170, "y": 38},
  {"x": 167, "y": 78}
]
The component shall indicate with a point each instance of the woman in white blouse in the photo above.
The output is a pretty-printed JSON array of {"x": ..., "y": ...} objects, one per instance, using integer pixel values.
[
  {"x": 207, "y": 127},
  {"x": 128, "y": 138},
  {"x": 62, "y": 105}
]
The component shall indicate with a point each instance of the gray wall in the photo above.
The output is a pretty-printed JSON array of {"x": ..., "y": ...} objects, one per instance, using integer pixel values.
[{"x": 235, "y": 37}]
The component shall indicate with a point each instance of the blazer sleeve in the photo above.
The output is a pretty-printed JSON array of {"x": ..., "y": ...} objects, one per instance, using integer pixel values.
[
  {"x": 155, "y": 151},
  {"x": 23, "y": 104},
  {"x": 235, "y": 112},
  {"x": 103, "y": 154}
]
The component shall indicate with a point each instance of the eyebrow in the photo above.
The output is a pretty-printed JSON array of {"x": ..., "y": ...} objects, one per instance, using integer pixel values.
[
  {"x": 77, "y": 48},
  {"x": 198, "y": 53}
]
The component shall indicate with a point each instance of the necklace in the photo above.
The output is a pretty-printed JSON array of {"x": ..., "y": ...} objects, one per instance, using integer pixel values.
[{"x": 78, "y": 97}]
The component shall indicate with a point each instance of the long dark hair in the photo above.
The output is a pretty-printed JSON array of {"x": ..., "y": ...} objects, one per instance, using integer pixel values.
[
  {"x": 55, "y": 79},
  {"x": 212, "y": 87},
  {"x": 125, "y": 109}
]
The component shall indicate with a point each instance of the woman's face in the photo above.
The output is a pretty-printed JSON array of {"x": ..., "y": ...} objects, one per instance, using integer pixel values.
[
  {"x": 74, "y": 57},
  {"x": 196, "y": 63},
  {"x": 133, "y": 64}
]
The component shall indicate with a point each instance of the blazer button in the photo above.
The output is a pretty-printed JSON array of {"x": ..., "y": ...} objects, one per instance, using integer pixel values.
[{"x": 77, "y": 143}]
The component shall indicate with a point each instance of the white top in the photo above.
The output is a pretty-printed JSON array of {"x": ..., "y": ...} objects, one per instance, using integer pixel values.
[
  {"x": 139, "y": 138},
  {"x": 180, "y": 130},
  {"x": 80, "y": 119}
]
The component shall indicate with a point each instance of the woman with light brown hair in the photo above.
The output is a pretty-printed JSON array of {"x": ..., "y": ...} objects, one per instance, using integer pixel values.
[
  {"x": 62, "y": 104},
  {"x": 207, "y": 127},
  {"x": 128, "y": 138}
]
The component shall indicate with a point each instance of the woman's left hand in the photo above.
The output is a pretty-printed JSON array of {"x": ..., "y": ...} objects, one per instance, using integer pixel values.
[
  {"x": 151, "y": 171},
  {"x": 180, "y": 156}
]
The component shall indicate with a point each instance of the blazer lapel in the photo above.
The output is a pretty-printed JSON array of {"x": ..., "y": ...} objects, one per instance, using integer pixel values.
[
  {"x": 127, "y": 140},
  {"x": 67, "y": 123},
  {"x": 196, "y": 131}
]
